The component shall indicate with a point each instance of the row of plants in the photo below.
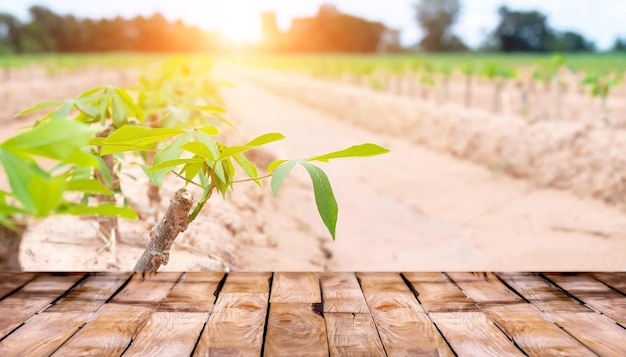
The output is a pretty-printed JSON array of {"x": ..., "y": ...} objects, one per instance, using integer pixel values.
[
  {"x": 170, "y": 123},
  {"x": 552, "y": 74}
]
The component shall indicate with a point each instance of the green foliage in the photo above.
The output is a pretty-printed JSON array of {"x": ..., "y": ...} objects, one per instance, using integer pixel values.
[{"x": 38, "y": 193}]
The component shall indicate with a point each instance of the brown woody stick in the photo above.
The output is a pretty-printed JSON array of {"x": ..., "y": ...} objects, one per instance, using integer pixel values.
[{"x": 162, "y": 236}]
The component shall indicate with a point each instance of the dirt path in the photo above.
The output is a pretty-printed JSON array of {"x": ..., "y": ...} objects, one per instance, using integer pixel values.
[{"x": 414, "y": 209}]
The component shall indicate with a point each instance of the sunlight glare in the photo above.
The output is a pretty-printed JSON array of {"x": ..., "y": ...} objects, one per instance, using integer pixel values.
[{"x": 237, "y": 20}]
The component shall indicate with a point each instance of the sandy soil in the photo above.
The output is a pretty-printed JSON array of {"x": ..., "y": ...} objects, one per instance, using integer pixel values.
[{"x": 412, "y": 209}]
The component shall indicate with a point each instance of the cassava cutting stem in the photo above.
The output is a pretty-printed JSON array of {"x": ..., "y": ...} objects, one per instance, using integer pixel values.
[{"x": 162, "y": 236}]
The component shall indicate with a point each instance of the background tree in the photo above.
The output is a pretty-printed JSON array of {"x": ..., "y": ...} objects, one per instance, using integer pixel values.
[
  {"x": 522, "y": 31},
  {"x": 436, "y": 18},
  {"x": 619, "y": 45}
]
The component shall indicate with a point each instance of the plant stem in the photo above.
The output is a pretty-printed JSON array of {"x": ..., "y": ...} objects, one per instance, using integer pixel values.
[
  {"x": 162, "y": 236},
  {"x": 254, "y": 178},
  {"x": 203, "y": 200}
]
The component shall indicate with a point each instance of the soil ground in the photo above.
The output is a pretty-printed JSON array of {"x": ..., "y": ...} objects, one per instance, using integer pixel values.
[{"x": 412, "y": 209}]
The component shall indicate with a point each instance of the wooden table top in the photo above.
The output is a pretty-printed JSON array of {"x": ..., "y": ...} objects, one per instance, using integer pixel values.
[{"x": 312, "y": 314}]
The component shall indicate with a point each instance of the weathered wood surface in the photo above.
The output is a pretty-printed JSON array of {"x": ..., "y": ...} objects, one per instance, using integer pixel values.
[{"x": 312, "y": 314}]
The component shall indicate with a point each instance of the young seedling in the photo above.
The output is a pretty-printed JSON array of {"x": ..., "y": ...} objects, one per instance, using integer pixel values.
[
  {"x": 499, "y": 75},
  {"x": 197, "y": 158},
  {"x": 600, "y": 84},
  {"x": 39, "y": 193}
]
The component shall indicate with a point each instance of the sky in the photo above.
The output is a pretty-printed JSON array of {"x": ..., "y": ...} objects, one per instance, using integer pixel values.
[{"x": 599, "y": 20}]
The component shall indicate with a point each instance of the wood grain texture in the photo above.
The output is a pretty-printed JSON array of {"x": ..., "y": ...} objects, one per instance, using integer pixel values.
[
  {"x": 486, "y": 288},
  {"x": 195, "y": 292},
  {"x": 147, "y": 289},
  {"x": 473, "y": 334},
  {"x": 11, "y": 281},
  {"x": 109, "y": 333},
  {"x": 595, "y": 294},
  {"x": 352, "y": 334},
  {"x": 595, "y": 331},
  {"x": 43, "y": 334},
  {"x": 168, "y": 334},
  {"x": 91, "y": 294},
  {"x": 615, "y": 280},
  {"x": 247, "y": 282},
  {"x": 33, "y": 297},
  {"x": 533, "y": 333},
  {"x": 404, "y": 328},
  {"x": 543, "y": 296},
  {"x": 530, "y": 329},
  {"x": 295, "y": 330},
  {"x": 438, "y": 294},
  {"x": 236, "y": 325},
  {"x": 341, "y": 293},
  {"x": 296, "y": 288}
]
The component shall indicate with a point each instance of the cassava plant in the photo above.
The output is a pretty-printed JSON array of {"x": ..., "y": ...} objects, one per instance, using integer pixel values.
[
  {"x": 198, "y": 159},
  {"x": 36, "y": 192},
  {"x": 106, "y": 108},
  {"x": 600, "y": 85}
]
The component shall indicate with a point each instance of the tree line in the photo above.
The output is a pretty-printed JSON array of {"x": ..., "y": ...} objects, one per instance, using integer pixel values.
[
  {"x": 328, "y": 31},
  {"x": 47, "y": 31}
]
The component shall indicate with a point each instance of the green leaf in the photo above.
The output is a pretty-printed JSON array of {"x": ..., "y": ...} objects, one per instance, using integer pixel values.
[
  {"x": 20, "y": 174},
  {"x": 233, "y": 150},
  {"x": 363, "y": 150},
  {"x": 324, "y": 197},
  {"x": 191, "y": 171},
  {"x": 87, "y": 186},
  {"x": 118, "y": 112},
  {"x": 47, "y": 193},
  {"x": 104, "y": 210},
  {"x": 265, "y": 139},
  {"x": 280, "y": 174},
  {"x": 173, "y": 163},
  {"x": 130, "y": 104},
  {"x": 198, "y": 149},
  {"x": 274, "y": 164},
  {"x": 247, "y": 167},
  {"x": 140, "y": 135},
  {"x": 63, "y": 112},
  {"x": 39, "y": 106},
  {"x": 210, "y": 129},
  {"x": 113, "y": 149},
  {"x": 57, "y": 140},
  {"x": 171, "y": 152},
  {"x": 208, "y": 141}
]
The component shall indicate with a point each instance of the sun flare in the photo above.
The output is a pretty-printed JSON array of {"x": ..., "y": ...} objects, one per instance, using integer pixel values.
[{"x": 238, "y": 21}]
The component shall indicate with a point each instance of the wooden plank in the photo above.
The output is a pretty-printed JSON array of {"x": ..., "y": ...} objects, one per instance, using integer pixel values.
[
  {"x": 341, "y": 293},
  {"x": 485, "y": 288},
  {"x": 616, "y": 280},
  {"x": 43, "y": 334},
  {"x": 595, "y": 331},
  {"x": 118, "y": 322},
  {"x": 530, "y": 330},
  {"x": 168, "y": 334},
  {"x": 247, "y": 283},
  {"x": 543, "y": 296},
  {"x": 195, "y": 292},
  {"x": 109, "y": 333},
  {"x": 11, "y": 281},
  {"x": 91, "y": 294},
  {"x": 473, "y": 334},
  {"x": 147, "y": 289},
  {"x": 402, "y": 324},
  {"x": 296, "y": 288},
  {"x": 594, "y": 293},
  {"x": 33, "y": 297},
  {"x": 352, "y": 334},
  {"x": 437, "y": 294},
  {"x": 236, "y": 325},
  {"x": 295, "y": 329}
]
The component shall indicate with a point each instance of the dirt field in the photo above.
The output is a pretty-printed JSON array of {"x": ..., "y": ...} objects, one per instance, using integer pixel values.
[{"x": 413, "y": 209}]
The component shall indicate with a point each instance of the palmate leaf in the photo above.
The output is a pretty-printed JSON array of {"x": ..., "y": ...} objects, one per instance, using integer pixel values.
[
  {"x": 20, "y": 174},
  {"x": 280, "y": 173},
  {"x": 248, "y": 168}
]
